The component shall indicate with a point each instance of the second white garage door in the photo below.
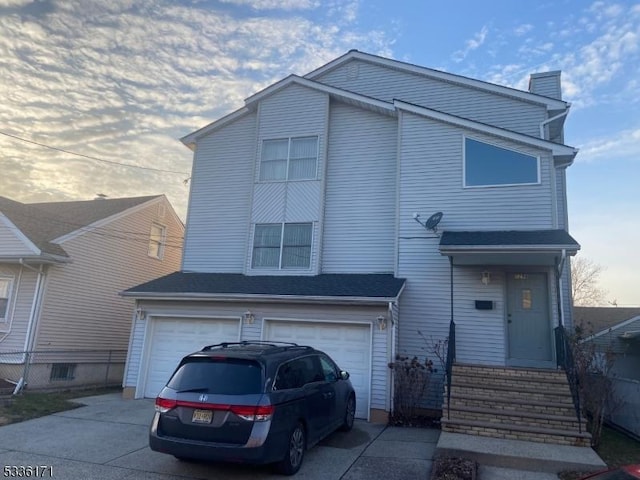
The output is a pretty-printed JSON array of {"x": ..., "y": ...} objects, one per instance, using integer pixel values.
[
  {"x": 173, "y": 338},
  {"x": 348, "y": 344}
]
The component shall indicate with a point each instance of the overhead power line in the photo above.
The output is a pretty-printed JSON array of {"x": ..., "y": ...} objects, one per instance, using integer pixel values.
[{"x": 89, "y": 157}]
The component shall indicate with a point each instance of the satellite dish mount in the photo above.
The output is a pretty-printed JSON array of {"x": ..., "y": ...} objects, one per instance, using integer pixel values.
[{"x": 432, "y": 222}]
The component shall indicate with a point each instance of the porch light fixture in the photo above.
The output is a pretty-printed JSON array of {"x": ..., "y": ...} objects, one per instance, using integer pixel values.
[
  {"x": 249, "y": 317},
  {"x": 486, "y": 278},
  {"x": 382, "y": 322}
]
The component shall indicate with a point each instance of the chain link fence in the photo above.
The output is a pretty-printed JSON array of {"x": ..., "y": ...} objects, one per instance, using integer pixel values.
[{"x": 60, "y": 369}]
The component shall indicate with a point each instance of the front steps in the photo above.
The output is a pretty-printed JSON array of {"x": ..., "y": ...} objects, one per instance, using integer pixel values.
[{"x": 514, "y": 404}]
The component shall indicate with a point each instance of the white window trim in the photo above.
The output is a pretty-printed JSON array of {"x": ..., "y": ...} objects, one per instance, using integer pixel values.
[
  {"x": 11, "y": 280},
  {"x": 279, "y": 268},
  {"x": 497, "y": 185},
  {"x": 163, "y": 241},
  {"x": 286, "y": 179}
]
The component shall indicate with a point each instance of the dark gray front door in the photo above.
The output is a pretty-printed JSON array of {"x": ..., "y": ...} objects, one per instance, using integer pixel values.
[{"x": 528, "y": 322}]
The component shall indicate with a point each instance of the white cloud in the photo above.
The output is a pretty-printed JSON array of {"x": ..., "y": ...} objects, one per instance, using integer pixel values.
[
  {"x": 123, "y": 80},
  {"x": 623, "y": 145},
  {"x": 523, "y": 29},
  {"x": 472, "y": 44},
  {"x": 276, "y": 4}
]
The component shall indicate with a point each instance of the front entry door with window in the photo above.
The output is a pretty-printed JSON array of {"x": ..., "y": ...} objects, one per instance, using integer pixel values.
[{"x": 528, "y": 322}]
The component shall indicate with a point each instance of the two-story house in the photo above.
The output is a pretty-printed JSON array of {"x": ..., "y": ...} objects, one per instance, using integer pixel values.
[
  {"x": 311, "y": 220},
  {"x": 62, "y": 265}
]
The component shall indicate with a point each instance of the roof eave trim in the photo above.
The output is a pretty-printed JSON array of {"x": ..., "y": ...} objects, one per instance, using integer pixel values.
[
  {"x": 550, "y": 103},
  {"x": 507, "y": 248},
  {"x": 612, "y": 328},
  {"x": 259, "y": 298},
  {"x": 191, "y": 139},
  {"x": 321, "y": 87},
  {"x": 555, "y": 148}
]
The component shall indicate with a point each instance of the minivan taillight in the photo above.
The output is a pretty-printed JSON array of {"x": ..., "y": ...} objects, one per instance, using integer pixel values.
[
  {"x": 260, "y": 413},
  {"x": 163, "y": 405}
]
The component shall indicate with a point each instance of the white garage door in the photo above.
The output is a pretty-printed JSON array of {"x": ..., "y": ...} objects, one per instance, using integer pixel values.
[
  {"x": 349, "y": 345},
  {"x": 173, "y": 338}
]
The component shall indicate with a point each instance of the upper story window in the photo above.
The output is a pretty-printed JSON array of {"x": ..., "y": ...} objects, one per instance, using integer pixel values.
[
  {"x": 157, "y": 240},
  {"x": 282, "y": 245},
  {"x": 289, "y": 159},
  {"x": 488, "y": 165},
  {"x": 5, "y": 292}
]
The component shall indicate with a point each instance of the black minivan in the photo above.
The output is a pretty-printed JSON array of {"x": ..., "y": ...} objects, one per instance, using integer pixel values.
[{"x": 252, "y": 402}]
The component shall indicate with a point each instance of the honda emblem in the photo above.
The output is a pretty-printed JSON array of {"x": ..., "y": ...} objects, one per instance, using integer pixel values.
[{"x": 203, "y": 398}]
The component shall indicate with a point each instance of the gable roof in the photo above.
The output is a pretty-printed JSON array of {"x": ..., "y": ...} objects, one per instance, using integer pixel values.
[
  {"x": 551, "y": 103},
  {"x": 43, "y": 223},
  {"x": 360, "y": 288},
  {"x": 595, "y": 320}
]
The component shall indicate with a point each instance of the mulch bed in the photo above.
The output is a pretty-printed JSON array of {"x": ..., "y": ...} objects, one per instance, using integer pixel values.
[
  {"x": 417, "y": 421},
  {"x": 453, "y": 468}
]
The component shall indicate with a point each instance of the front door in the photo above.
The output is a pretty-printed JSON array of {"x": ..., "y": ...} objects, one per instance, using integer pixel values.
[{"x": 528, "y": 322}]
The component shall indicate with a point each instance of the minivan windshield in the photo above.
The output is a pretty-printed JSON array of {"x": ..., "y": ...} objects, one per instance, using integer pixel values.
[{"x": 218, "y": 376}]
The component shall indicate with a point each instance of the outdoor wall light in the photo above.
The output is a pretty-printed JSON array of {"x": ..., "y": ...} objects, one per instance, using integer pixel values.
[
  {"x": 486, "y": 278},
  {"x": 382, "y": 322},
  {"x": 249, "y": 317}
]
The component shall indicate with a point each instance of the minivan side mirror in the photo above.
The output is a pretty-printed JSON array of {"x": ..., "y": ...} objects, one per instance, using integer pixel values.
[{"x": 344, "y": 375}]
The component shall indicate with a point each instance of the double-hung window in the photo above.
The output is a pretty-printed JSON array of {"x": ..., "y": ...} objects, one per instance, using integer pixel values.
[
  {"x": 5, "y": 292},
  {"x": 157, "y": 240},
  {"x": 282, "y": 245},
  {"x": 289, "y": 159},
  {"x": 487, "y": 165}
]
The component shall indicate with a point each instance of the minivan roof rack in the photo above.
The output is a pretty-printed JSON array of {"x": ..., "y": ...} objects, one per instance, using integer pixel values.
[{"x": 266, "y": 343}]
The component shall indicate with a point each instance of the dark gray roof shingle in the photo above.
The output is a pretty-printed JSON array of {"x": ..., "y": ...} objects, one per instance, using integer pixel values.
[
  {"x": 325, "y": 285},
  {"x": 596, "y": 319},
  {"x": 508, "y": 238}
]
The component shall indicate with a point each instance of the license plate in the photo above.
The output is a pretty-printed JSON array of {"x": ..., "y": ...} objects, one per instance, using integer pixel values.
[{"x": 202, "y": 416}]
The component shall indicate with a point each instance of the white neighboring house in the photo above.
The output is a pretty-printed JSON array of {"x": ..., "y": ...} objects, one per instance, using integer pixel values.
[
  {"x": 302, "y": 225},
  {"x": 62, "y": 265}
]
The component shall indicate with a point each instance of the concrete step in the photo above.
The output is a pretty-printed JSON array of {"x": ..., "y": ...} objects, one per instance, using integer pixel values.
[
  {"x": 516, "y": 432},
  {"x": 512, "y": 416},
  {"x": 518, "y": 454}
]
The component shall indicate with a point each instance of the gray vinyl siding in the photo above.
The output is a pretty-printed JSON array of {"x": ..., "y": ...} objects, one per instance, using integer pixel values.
[
  {"x": 293, "y": 112},
  {"x": 81, "y": 306},
  {"x": 10, "y": 243},
  {"x": 387, "y": 84},
  {"x": 546, "y": 84},
  {"x": 431, "y": 172},
  {"x": 220, "y": 200},
  {"x": 366, "y": 315},
  {"x": 360, "y": 202},
  {"x": 134, "y": 355},
  {"x": 13, "y": 331}
]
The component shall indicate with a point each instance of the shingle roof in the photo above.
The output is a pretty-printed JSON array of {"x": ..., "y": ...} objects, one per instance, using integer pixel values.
[
  {"x": 44, "y": 222},
  {"x": 382, "y": 286},
  {"x": 496, "y": 238},
  {"x": 596, "y": 319}
]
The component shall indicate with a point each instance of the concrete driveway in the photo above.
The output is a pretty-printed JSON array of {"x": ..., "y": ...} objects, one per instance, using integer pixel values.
[{"x": 107, "y": 439}]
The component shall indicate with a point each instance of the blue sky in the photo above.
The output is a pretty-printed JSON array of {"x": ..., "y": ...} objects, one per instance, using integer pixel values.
[{"x": 123, "y": 80}]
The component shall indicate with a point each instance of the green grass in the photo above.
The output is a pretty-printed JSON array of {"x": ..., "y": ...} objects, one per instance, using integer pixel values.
[
  {"x": 617, "y": 449},
  {"x": 38, "y": 404}
]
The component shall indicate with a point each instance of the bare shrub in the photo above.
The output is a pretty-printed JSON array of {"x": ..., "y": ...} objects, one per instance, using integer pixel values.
[{"x": 411, "y": 382}]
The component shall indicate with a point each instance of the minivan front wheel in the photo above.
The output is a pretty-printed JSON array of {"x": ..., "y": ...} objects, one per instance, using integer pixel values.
[
  {"x": 292, "y": 461},
  {"x": 349, "y": 414}
]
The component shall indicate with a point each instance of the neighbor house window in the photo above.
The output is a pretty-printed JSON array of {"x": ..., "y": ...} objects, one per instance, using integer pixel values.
[
  {"x": 289, "y": 159},
  {"x": 489, "y": 165},
  {"x": 282, "y": 245},
  {"x": 63, "y": 371},
  {"x": 5, "y": 292},
  {"x": 157, "y": 240}
]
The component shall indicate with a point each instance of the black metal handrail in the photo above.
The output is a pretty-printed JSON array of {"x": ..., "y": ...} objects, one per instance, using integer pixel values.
[
  {"x": 564, "y": 359},
  {"x": 451, "y": 357}
]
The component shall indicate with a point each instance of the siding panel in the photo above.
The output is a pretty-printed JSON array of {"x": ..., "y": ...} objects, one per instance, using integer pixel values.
[
  {"x": 386, "y": 84},
  {"x": 10, "y": 243},
  {"x": 219, "y": 206},
  {"x": 361, "y": 196},
  {"x": 13, "y": 331}
]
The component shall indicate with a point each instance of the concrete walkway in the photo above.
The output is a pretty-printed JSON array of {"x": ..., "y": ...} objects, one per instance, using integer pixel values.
[{"x": 107, "y": 439}]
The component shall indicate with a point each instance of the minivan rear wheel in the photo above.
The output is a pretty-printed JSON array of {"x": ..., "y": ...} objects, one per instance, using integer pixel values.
[{"x": 292, "y": 460}]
